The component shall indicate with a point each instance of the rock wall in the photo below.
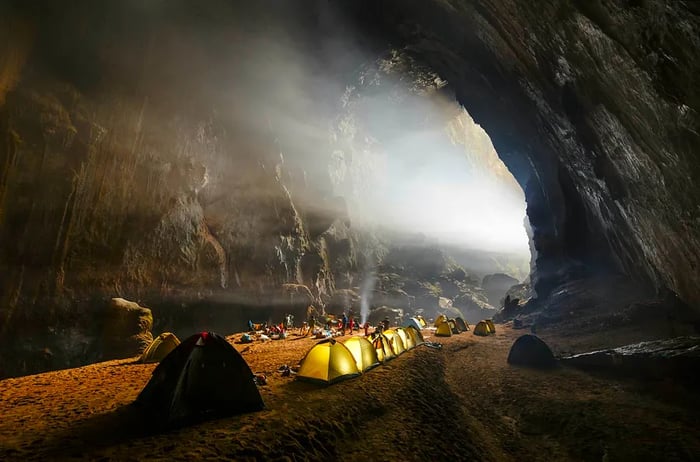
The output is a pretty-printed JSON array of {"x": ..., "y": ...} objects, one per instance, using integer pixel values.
[
  {"x": 129, "y": 167},
  {"x": 592, "y": 106}
]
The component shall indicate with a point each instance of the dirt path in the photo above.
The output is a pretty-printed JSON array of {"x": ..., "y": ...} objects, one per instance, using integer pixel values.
[{"x": 459, "y": 403}]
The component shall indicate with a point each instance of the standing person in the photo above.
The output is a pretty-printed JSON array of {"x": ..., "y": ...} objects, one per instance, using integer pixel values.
[
  {"x": 312, "y": 324},
  {"x": 345, "y": 322},
  {"x": 351, "y": 324},
  {"x": 366, "y": 328}
]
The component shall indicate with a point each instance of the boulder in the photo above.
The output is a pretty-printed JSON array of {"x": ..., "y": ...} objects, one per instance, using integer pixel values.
[
  {"x": 378, "y": 314},
  {"x": 474, "y": 307},
  {"x": 127, "y": 329},
  {"x": 343, "y": 300},
  {"x": 496, "y": 285},
  {"x": 530, "y": 351},
  {"x": 677, "y": 358}
]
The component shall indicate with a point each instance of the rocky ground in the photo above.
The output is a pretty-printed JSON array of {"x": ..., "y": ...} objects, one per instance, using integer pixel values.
[{"x": 462, "y": 402}]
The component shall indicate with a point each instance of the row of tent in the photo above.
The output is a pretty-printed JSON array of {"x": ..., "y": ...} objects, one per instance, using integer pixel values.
[
  {"x": 330, "y": 361},
  {"x": 446, "y": 327}
]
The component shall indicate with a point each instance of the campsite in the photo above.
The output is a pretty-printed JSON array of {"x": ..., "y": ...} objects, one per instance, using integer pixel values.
[{"x": 459, "y": 402}]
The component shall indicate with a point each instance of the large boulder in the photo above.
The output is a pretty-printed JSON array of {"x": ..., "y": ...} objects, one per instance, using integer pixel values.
[
  {"x": 343, "y": 300},
  {"x": 530, "y": 351},
  {"x": 127, "y": 329},
  {"x": 378, "y": 314},
  {"x": 496, "y": 286},
  {"x": 677, "y": 358},
  {"x": 474, "y": 306}
]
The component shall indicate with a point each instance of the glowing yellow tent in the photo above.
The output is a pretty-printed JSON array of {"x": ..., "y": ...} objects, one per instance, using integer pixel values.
[
  {"x": 159, "y": 348},
  {"x": 482, "y": 329},
  {"x": 395, "y": 341},
  {"x": 408, "y": 341},
  {"x": 489, "y": 323},
  {"x": 404, "y": 338},
  {"x": 416, "y": 335},
  {"x": 328, "y": 362},
  {"x": 363, "y": 351},
  {"x": 440, "y": 319},
  {"x": 382, "y": 346},
  {"x": 444, "y": 330},
  {"x": 421, "y": 320}
]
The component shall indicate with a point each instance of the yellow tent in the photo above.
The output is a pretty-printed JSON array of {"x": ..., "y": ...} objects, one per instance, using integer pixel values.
[
  {"x": 363, "y": 351},
  {"x": 159, "y": 348},
  {"x": 440, "y": 319},
  {"x": 382, "y": 346},
  {"x": 421, "y": 320},
  {"x": 489, "y": 323},
  {"x": 395, "y": 341},
  {"x": 408, "y": 341},
  {"x": 453, "y": 326},
  {"x": 444, "y": 330},
  {"x": 328, "y": 362},
  {"x": 415, "y": 334},
  {"x": 482, "y": 329}
]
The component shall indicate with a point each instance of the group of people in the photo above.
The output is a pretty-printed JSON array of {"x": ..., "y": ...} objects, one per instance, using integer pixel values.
[{"x": 346, "y": 324}]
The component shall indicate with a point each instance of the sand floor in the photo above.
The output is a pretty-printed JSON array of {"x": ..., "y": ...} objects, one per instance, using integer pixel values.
[{"x": 462, "y": 402}]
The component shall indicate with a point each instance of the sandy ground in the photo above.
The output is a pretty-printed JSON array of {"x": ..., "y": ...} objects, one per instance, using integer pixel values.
[{"x": 462, "y": 402}]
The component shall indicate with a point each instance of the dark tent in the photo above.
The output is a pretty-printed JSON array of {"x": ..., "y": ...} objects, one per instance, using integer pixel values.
[
  {"x": 530, "y": 350},
  {"x": 461, "y": 324},
  {"x": 453, "y": 326},
  {"x": 203, "y": 377}
]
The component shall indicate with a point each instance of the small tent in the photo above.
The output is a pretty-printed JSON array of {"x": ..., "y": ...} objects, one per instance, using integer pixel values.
[
  {"x": 529, "y": 350},
  {"x": 461, "y": 324},
  {"x": 363, "y": 351},
  {"x": 421, "y": 320},
  {"x": 382, "y": 346},
  {"x": 453, "y": 326},
  {"x": 440, "y": 319},
  {"x": 159, "y": 348},
  {"x": 203, "y": 377},
  {"x": 404, "y": 338},
  {"x": 408, "y": 341},
  {"x": 482, "y": 329},
  {"x": 413, "y": 322},
  {"x": 492, "y": 328},
  {"x": 395, "y": 341},
  {"x": 416, "y": 335},
  {"x": 443, "y": 330},
  {"x": 328, "y": 362}
]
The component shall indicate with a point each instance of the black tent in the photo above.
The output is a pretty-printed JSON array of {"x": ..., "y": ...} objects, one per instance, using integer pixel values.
[
  {"x": 461, "y": 325},
  {"x": 203, "y": 377}
]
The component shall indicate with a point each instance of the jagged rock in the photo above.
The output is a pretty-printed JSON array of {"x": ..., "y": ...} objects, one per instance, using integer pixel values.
[
  {"x": 529, "y": 350},
  {"x": 677, "y": 358},
  {"x": 127, "y": 329}
]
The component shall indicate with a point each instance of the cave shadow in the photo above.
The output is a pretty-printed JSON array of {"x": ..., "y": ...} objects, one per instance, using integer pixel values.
[{"x": 126, "y": 423}]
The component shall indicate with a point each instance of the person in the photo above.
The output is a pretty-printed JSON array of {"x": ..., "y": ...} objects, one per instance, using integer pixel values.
[
  {"x": 344, "y": 323},
  {"x": 312, "y": 323},
  {"x": 251, "y": 327},
  {"x": 351, "y": 324},
  {"x": 366, "y": 328}
]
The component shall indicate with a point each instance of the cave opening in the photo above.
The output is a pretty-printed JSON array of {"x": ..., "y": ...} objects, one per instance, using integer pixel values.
[{"x": 190, "y": 166}]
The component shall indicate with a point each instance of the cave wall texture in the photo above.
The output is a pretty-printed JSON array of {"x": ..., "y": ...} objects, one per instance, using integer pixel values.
[
  {"x": 593, "y": 105},
  {"x": 125, "y": 172}
]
